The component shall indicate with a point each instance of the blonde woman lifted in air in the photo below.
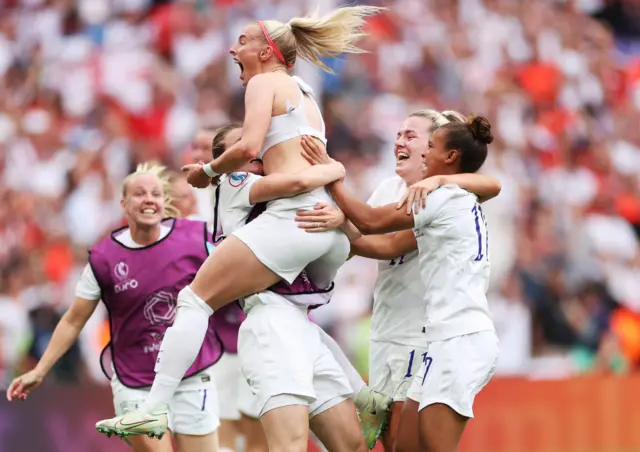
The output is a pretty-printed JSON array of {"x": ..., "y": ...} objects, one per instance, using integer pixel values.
[{"x": 297, "y": 381}]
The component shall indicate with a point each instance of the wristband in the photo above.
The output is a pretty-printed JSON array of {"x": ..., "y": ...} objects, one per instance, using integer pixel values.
[{"x": 209, "y": 171}]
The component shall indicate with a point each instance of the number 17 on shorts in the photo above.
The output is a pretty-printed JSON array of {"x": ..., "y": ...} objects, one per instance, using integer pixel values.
[{"x": 426, "y": 361}]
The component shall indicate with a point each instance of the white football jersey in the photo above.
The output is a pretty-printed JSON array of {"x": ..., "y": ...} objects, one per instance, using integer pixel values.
[
  {"x": 232, "y": 201},
  {"x": 454, "y": 262},
  {"x": 398, "y": 298}
]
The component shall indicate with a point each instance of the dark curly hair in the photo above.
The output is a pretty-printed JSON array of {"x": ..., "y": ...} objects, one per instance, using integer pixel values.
[{"x": 470, "y": 138}]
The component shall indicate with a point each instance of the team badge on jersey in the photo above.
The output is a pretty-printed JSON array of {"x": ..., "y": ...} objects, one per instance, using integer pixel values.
[{"x": 237, "y": 179}]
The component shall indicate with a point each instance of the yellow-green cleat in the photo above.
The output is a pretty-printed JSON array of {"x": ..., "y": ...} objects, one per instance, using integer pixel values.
[
  {"x": 153, "y": 424},
  {"x": 373, "y": 409}
]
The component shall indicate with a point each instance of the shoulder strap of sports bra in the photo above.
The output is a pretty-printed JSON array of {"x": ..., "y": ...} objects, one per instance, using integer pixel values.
[{"x": 306, "y": 89}]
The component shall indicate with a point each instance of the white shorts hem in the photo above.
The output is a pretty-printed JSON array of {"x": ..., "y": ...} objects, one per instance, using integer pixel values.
[
  {"x": 455, "y": 407},
  {"x": 249, "y": 415},
  {"x": 197, "y": 432},
  {"x": 326, "y": 406},
  {"x": 283, "y": 400}
]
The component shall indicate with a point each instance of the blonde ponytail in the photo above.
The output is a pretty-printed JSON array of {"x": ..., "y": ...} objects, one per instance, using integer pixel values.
[
  {"x": 313, "y": 37},
  {"x": 160, "y": 172}
]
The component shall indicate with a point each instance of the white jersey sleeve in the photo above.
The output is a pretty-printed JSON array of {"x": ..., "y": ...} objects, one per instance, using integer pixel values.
[
  {"x": 240, "y": 188},
  {"x": 233, "y": 204},
  {"x": 88, "y": 287},
  {"x": 388, "y": 192},
  {"x": 436, "y": 202}
]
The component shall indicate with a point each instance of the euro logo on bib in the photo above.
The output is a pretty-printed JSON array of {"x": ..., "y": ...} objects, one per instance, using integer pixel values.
[{"x": 121, "y": 271}]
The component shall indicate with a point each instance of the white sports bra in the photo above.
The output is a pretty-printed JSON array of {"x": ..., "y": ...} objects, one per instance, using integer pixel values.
[{"x": 294, "y": 122}]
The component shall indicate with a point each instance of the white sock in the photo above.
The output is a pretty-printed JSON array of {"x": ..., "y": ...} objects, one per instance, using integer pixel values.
[
  {"x": 180, "y": 347},
  {"x": 355, "y": 380}
]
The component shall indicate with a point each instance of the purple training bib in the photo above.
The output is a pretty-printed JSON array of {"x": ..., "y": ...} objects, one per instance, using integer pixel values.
[{"x": 140, "y": 288}]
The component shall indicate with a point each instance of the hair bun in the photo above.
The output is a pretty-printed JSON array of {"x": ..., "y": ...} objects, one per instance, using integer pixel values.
[{"x": 480, "y": 128}]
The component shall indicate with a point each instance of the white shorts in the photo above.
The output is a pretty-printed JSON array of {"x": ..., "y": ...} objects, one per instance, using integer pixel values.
[
  {"x": 247, "y": 400},
  {"x": 392, "y": 368},
  {"x": 455, "y": 370},
  {"x": 278, "y": 242},
  {"x": 282, "y": 354},
  {"x": 235, "y": 396},
  {"x": 226, "y": 374},
  {"x": 191, "y": 411}
]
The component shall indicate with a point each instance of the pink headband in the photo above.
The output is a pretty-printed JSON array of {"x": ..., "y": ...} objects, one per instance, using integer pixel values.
[{"x": 274, "y": 47}]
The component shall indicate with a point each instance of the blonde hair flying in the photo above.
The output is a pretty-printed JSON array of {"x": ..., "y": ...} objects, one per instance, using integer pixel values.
[
  {"x": 159, "y": 171},
  {"x": 314, "y": 37}
]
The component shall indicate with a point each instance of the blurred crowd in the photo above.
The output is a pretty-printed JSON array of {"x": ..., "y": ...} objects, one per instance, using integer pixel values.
[{"x": 88, "y": 88}]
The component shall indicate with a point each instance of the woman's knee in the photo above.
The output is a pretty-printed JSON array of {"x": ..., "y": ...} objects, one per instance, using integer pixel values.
[
  {"x": 290, "y": 441},
  {"x": 198, "y": 443},
  {"x": 339, "y": 428},
  {"x": 228, "y": 433},
  {"x": 355, "y": 442},
  {"x": 189, "y": 299},
  {"x": 347, "y": 439},
  {"x": 407, "y": 437},
  {"x": 390, "y": 434},
  {"x": 441, "y": 428},
  {"x": 251, "y": 429},
  {"x": 286, "y": 428}
]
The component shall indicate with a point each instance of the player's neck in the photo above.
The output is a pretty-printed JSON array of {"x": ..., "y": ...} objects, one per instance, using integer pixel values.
[
  {"x": 274, "y": 67},
  {"x": 145, "y": 235},
  {"x": 410, "y": 179}
]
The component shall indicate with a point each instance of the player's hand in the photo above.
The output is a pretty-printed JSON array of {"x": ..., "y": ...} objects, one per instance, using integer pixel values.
[
  {"x": 196, "y": 175},
  {"x": 313, "y": 153},
  {"x": 323, "y": 217},
  {"x": 20, "y": 387},
  {"x": 416, "y": 195}
]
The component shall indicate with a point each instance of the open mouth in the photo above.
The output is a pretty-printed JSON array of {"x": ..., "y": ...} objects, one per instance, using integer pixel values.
[
  {"x": 149, "y": 211},
  {"x": 424, "y": 164},
  {"x": 402, "y": 156},
  {"x": 241, "y": 67}
]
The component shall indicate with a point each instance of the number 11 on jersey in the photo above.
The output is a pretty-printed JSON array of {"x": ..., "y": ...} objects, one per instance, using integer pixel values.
[{"x": 481, "y": 230}]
